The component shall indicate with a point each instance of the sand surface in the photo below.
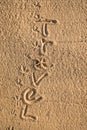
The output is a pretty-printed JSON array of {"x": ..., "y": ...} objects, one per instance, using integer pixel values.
[{"x": 43, "y": 64}]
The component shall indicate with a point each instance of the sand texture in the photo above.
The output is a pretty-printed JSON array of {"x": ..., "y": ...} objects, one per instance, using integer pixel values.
[{"x": 43, "y": 64}]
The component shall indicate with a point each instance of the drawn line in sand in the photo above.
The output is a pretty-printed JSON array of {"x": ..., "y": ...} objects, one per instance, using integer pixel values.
[
  {"x": 10, "y": 128},
  {"x": 38, "y": 18},
  {"x": 29, "y": 98},
  {"x": 44, "y": 30},
  {"x": 40, "y": 63},
  {"x": 36, "y": 82},
  {"x": 44, "y": 42}
]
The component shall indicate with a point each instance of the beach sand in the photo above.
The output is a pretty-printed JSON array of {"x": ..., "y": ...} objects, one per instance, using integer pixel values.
[{"x": 43, "y": 65}]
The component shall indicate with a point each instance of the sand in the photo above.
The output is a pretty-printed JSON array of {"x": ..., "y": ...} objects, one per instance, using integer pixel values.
[{"x": 43, "y": 65}]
